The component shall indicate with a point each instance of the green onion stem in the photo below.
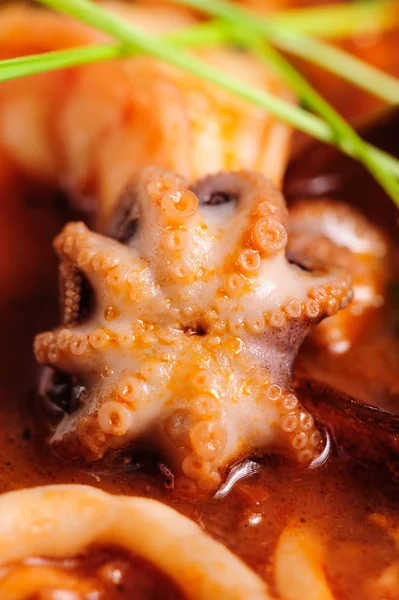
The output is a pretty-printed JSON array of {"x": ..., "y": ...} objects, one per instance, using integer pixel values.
[
  {"x": 293, "y": 115},
  {"x": 134, "y": 38},
  {"x": 374, "y": 81},
  {"x": 40, "y": 63},
  {"x": 202, "y": 34},
  {"x": 332, "y": 59},
  {"x": 328, "y": 21},
  {"x": 130, "y": 35},
  {"x": 346, "y": 136},
  {"x": 337, "y": 61},
  {"x": 341, "y": 20},
  {"x": 297, "y": 117}
]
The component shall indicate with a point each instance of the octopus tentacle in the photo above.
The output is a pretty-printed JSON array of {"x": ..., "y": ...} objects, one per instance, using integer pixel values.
[
  {"x": 71, "y": 292},
  {"x": 340, "y": 235},
  {"x": 189, "y": 345}
]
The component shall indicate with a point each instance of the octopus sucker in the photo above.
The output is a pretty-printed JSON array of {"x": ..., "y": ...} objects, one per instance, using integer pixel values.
[{"x": 188, "y": 347}]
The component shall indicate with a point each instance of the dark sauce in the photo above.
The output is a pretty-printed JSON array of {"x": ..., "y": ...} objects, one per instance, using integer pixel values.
[{"x": 101, "y": 573}]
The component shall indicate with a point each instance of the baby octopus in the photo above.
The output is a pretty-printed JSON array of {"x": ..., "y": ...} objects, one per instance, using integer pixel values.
[{"x": 180, "y": 329}]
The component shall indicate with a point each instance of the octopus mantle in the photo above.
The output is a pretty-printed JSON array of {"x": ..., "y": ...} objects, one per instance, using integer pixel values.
[{"x": 194, "y": 320}]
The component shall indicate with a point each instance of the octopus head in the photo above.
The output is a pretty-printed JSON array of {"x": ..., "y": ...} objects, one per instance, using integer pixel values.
[{"x": 181, "y": 327}]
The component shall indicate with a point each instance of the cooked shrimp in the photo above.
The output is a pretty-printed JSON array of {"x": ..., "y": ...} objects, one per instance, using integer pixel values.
[{"x": 93, "y": 127}]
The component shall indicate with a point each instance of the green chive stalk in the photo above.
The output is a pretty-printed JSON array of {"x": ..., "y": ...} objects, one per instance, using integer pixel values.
[{"x": 332, "y": 59}]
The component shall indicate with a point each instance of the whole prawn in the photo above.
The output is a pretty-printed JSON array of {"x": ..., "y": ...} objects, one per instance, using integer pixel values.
[{"x": 92, "y": 128}]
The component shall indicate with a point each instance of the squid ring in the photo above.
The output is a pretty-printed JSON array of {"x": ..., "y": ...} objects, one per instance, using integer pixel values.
[{"x": 62, "y": 521}]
